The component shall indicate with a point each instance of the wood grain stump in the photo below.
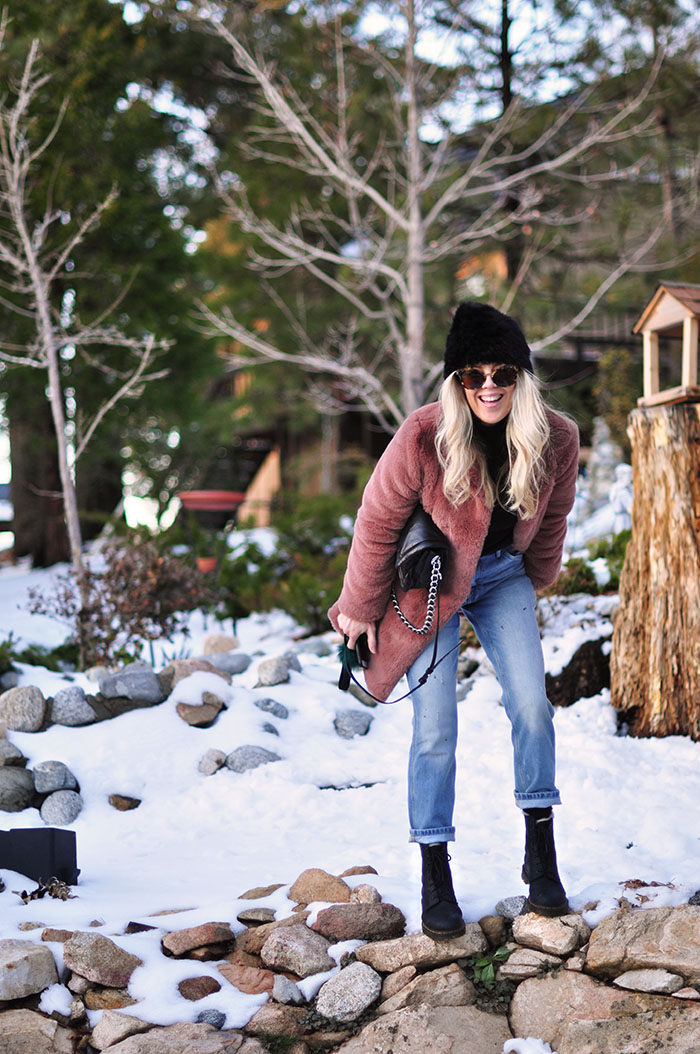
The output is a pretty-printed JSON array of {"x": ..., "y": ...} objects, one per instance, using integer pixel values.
[{"x": 655, "y": 660}]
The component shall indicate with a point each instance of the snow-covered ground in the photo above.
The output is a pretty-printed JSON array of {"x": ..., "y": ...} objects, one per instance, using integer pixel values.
[{"x": 197, "y": 842}]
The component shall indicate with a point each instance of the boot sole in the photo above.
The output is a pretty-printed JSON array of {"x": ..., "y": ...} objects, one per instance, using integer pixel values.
[
  {"x": 444, "y": 935},
  {"x": 548, "y": 910}
]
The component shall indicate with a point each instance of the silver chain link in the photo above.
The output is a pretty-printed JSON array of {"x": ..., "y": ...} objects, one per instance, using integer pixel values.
[{"x": 435, "y": 578}]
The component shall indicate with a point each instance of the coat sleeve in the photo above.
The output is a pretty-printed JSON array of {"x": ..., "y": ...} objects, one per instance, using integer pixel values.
[
  {"x": 390, "y": 497},
  {"x": 542, "y": 558}
]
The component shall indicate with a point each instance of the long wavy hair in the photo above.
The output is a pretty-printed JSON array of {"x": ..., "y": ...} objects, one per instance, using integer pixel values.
[{"x": 527, "y": 435}]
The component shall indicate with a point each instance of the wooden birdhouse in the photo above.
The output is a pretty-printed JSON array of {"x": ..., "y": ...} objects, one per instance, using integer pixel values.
[{"x": 669, "y": 325}]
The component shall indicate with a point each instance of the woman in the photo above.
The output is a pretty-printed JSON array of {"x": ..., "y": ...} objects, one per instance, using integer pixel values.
[{"x": 496, "y": 469}]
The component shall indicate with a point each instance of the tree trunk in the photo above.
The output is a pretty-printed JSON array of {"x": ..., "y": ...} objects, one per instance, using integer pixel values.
[{"x": 655, "y": 661}]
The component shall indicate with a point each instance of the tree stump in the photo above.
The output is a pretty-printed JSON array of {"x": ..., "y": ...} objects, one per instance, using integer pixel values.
[{"x": 655, "y": 660}]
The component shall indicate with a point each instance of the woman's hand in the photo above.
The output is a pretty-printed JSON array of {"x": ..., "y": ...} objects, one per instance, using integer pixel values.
[{"x": 353, "y": 629}]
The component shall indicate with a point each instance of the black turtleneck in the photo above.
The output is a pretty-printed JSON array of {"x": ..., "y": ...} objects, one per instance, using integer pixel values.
[{"x": 492, "y": 441}]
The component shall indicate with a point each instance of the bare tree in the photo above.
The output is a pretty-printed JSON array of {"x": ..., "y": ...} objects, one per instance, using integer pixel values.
[
  {"x": 35, "y": 264},
  {"x": 413, "y": 207}
]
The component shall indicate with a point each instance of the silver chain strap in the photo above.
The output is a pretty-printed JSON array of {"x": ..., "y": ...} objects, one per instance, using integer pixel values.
[{"x": 435, "y": 577}]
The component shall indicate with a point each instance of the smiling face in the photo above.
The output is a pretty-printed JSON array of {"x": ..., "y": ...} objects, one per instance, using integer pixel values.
[{"x": 490, "y": 403}]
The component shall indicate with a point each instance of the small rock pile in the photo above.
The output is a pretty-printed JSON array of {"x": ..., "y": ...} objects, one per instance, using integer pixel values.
[
  {"x": 630, "y": 984},
  {"x": 53, "y": 789}
]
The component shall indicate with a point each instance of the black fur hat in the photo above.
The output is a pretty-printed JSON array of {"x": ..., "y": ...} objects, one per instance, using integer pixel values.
[{"x": 481, "y": 333}]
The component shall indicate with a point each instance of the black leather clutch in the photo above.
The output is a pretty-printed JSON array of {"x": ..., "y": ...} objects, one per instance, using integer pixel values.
[{"x": 419, "y": 542}]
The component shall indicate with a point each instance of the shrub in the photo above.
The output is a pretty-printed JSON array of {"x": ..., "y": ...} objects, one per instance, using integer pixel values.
[
  {"x": 575, "y": 577},
  {"x": 612, "y": 550},
  {"x": 142, "y": 595}
]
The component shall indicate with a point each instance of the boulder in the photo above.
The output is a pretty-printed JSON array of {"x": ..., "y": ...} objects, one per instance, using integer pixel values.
[
  {"x": 558, "y": 936},
  {"x": 248, "y": 757},
  {"x": 298, "y": 950},
  {"x": 665, "y": 938},
  {"x": 273, "y": 671},
  {"x": 99, "y": 959},
  {"x": 230, "y": 662},
  {"x": 70, "y": 707},
  {"x": 357, "y": 921},
  {"x": 26, "y": 1032},
  {"x": 61, "y": 808},
  {"x": 212, "y": 760},
  {"x": 11, "y": 755},
  {"x": 179, "y": 942},
  {"x": 53, "y": 776},
  {"x": 23, "y": 709},
  {"x": 446, "y": 986},
  {"x": 346, "y": 995},
  {"x": 113, "y": 1027},
  {"x": 25, "y": 969},
  {"x": 276, "y": 1019},
  {"x": 16, "y": 789},
  {"x": 315, "y": 884},
  {"x": 218, "y": 644},
  {"x": 187, "y": 1038},
  {"x": 660, "y": 981},
  {"x": 200, "y": 716},
  {"x": 136, "y": 682},
  {"x": 251, "y": 980},
  {"x": 442, "y": 1030},
  {"x": 420, "y": 950},
  {"x": 272, "y": 707},
  {"x": 351, "y": 723},
  {"x": 195, "y": 988}
]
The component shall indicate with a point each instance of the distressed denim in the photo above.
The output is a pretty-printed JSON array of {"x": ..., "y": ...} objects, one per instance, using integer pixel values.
[{"x": 501, "y": 608}]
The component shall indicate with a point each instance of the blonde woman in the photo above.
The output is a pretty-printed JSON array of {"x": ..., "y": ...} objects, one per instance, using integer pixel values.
[{"x": 496, "y": 469}]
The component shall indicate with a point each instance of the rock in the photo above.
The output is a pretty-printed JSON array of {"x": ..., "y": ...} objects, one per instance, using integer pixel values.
[
  {"x": 510, "y": 907},
  {"x": 315, "y": 884},
  {"x": 345, "y": 922},
  {"x": 394, "y": 982},
  {"x": 256, "y": 916},
  {"x": 136, "y": 682},
  {"x": 215, "y": 1018},
  {"x": 270, "y": 706},
  {"x": 25, "y": 968},
  {"x": 526, "y": 962},
  {"x": 123, "y": 803},
  {"x": 61, "y": 808},
  {"x": 245, "y": 758},
  {"x": 273, "y": 671},
  {"x": 537, "y": 1010},
  {"x": 53, "y": 776},
  {"x": 178, "y": 669},
  {"x": 9, "y": 679},
  {"x": 365, "y": 894},
  {"x": 259, "y": 892},
  {"x": 113, "y": 1027},
  {"x": 70, "y": 707},
  {"x": 270, "y": 728},
  {"x": 212, "y": 760},
  {"x": 16, "y": 789},
  {"x": 351, "y": 723},
  {"x": 313, "y": 646},
  {"x": 99, "y": 959},
  {"x": 187, "y": 1037},
  {"x": 559, "y": 936},
  {"x": 26, "y": 1032},
  {"x": 346, "y": 995},
  {"x": 230, "y": 662},
  {"x": 286, "y": 991},
  {"x": 442, "y": 1030},
  {"x": 23, "y": 708},
  {"x": 586, "y": 674},
  {"x": 494, "y": 928},
  {"x": 195, "y": 988},
  {"x": 276, "y": 1019},
  {"x": 298, "y": 950},
  {"x": 104, "y": 998},
  {"x": 49, "y": 935},
  {"x": 419, "y": 950},
  {"x": 656, "y": 938},
  {"x": 252, "y": 939},
  {"x": 660, "y": 981},
  {"x": 11, "y": 755},
  {"x": 202, "y": 716},
  {"x": 179, "y": 942},
  {"x": 672, "y": 1033},
  {"x": 249, "y": 979},
  {"x": 446, "y": 986},
  {"x": 218, "y": 643}
]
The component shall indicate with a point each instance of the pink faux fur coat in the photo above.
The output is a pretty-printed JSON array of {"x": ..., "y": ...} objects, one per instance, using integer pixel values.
[{"x": 408, "y": 473}]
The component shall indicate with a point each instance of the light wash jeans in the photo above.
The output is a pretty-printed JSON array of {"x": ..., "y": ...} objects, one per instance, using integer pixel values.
[{"x": 501, "y": 608}]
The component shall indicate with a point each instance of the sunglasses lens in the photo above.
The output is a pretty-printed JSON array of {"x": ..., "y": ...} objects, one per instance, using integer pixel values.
[{"x": 504, "y": 376}]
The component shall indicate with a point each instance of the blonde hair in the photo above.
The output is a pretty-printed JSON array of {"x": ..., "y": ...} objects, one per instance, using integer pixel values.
[{"x": 527, "y": 435}]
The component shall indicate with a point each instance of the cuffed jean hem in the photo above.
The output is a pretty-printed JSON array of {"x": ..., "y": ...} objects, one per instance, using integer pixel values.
[
  {"x": 537, "y": 800},
  {"x": 432, "y": 834}
]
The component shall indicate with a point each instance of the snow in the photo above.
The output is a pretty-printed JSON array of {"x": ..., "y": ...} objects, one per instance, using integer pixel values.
[{"x": 197, "y": 842}]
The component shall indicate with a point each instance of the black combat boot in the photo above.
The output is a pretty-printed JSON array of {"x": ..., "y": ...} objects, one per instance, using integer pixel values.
[
  {"x": 546, "y": 895},
  {"x": 442, "y": 918}
]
